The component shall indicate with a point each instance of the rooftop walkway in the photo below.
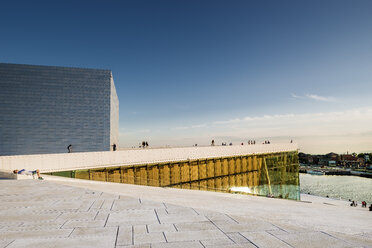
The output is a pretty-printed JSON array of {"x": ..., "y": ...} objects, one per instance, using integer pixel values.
[
  {"x": 90, "y": 160},
  {"x": 60, "y": 212}
]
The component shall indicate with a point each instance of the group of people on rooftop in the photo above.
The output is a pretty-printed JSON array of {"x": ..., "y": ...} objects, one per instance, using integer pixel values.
[
  {"x": 250, "y": 142},
  {"x": 225, "y": 144},
  {"x": 144, "y": 144},
  {"x": 364, "y": 204}
]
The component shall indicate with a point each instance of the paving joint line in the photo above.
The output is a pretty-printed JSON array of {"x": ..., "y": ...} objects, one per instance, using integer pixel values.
[
  {"x": 243, "y": 236},
  {"x": 195, "y": 211},
  {"x": 280, "y": 239},
  {"x": 165, "y": 237},
  {"x": 132, "y": 235},
  {"x": 175, "y": 227},
  {"x": 100, "y": 206},
  {"x": 201, "y": 243},
  {"x": 335, "y": 237},
  {"x": 58, "y": 216},
  {"x": 157, "y": 216},
  {"x": 71, "y": 232},
  {"x": 278, "y": 227},
  {"x": 232, "y": 218},
  {"x": 106, "y": 220},
  {"x": 91, "y": 205},
  {"x": 117, "y": 234},
  {"x": 113, "y": 201},
  {"x": 96, "y": 215},
  {"x": 9, "y": 243},
  {"x": 63, "y": 224},
  {"x": 220, "y": 230},
  {"x": 249, "y": 240}
]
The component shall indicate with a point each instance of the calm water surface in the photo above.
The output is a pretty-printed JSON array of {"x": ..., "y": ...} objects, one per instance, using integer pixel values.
[{"x": 344, "y": 187}]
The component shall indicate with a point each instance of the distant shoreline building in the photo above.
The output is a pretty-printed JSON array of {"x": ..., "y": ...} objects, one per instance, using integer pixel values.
[{"x": 43, "y": 109}]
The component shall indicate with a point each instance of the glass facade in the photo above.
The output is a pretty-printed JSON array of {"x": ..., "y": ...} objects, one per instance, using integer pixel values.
[
  {"x": 269, "y": 174},
  {"x": 43, "y": 109}
]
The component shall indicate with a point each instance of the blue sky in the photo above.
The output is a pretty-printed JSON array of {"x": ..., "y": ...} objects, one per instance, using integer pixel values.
[{"x": 187, "y": 72}]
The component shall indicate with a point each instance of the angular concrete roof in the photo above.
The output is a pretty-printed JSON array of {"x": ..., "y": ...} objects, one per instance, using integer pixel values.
[{"x": 61, "y": 212}]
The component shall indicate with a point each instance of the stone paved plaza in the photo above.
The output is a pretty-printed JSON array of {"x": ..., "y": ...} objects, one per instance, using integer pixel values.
[{"x": 49, "y": 214}]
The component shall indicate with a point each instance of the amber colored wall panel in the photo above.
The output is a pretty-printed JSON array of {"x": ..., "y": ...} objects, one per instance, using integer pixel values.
[
  {"x": 244, "y": 164},
  {"x": 219, "y": 174},
  {"x": 211, "y": 184},
  {"x": 129, "y": 176},
  {"x": 250, "y": 178},
  {"x": 231, "y": 180},
  {"x": 225, "y": 183},
  {"x": 203, "y": 184},
  {"x": 218, "y": 183},
  {"x": 250, "y": 163},
  {"x": 113, "y": 175},
  {"x": 186, "y": 186},
  {"x": 143, "y": 175},
  {"x": 217, "y": 168},
  {"x": 175, "y": 174},
  {"x": 185, "y": 172},
  {"x": 82, "y": 174},
  {"x": 255, "y": 163},
  {"x": 231, "y": 165},
  {"x": 238, "y": 165},
  {"x": 194, "y": 171},
  {"x": 210, "y": 168},
  {"x": 238, "y": 180},
  {"x": 195, "y": 185},
  {"x": 225, "y": 167},
  {"x": 137, "y": 175},
  {"x": 165, "y": 175},
  {"x": 244, "y": 181}
]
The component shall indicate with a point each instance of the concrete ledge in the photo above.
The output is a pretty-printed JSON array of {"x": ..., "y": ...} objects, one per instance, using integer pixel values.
[
  {"x": 11, "y": 175},
  {"x": 90, "y": 160},
  {"x": 7, "y": 175}
]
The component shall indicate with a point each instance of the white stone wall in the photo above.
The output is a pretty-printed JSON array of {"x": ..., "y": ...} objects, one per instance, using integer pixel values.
[
  {"x": 86, "y": 160},
  {"x": 114, "y": 116}
]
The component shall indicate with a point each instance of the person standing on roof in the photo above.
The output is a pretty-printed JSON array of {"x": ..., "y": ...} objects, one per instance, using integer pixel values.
[{"x": 69, "y": 148}]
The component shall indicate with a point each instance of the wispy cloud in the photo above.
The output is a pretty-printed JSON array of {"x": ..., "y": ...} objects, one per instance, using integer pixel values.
[
  {"x": 296, "y": 96},
  {"x": 321, "y": 123},
  {"x": 236, "y": 120},
  {"x": 126, "y": 133},
  {"x": 199, "y": 126},
  {"x": 179, "y": 128},
  {"x": 321, "y": 98},
  {"x": 189, "y": 127},
  {"x": 315, "y": 97}
]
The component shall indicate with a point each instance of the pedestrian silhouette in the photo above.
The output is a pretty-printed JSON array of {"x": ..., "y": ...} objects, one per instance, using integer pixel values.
[{"x": 69, "y": 148}]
